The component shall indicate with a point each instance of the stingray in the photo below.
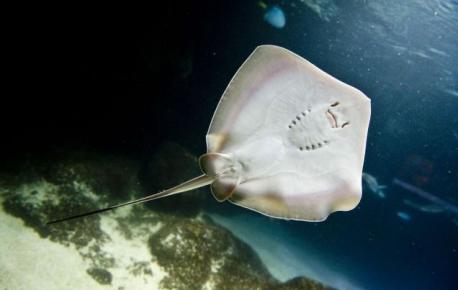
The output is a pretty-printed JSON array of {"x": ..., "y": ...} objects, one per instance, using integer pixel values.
[
  {"x": 426, "y": 208},
  {"x": 427, "y": 195},
  {"x": 274, "y": 15},
  {"x": 286, "y": 140},
  {"x": 403, "y": 216},
  {"x": 373, "y": 185}
]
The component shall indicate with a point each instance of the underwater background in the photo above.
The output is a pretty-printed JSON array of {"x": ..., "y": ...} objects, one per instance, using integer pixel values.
[{"x": 112, "y": 103}]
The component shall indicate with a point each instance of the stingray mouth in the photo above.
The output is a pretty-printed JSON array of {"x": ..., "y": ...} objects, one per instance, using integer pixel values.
[{"x": 332, "y": 117}]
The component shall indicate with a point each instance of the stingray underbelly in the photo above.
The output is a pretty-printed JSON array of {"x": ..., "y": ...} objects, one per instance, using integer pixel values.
[{"x": 292, "y": 196}]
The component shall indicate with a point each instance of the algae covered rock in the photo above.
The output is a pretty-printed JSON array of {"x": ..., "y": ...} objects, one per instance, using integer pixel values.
[
  {"x": 102, "y": 276},
  {"x": 43, "y": 192},
  {"x": 198, "y": 254},
  {"x": 78, "y": 184},
  {"x": 167, "y": 244}
]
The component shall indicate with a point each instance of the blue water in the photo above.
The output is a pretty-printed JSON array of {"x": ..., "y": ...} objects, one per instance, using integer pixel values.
[
  {"x": 404, "y": 56},
  {"x": 124, "y": 85}
]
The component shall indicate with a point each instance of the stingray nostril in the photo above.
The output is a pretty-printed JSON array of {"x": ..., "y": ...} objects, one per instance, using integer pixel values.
[{"x": 335, "y": 104}]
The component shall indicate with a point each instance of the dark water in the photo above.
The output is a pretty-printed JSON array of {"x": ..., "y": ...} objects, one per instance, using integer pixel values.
[{"x": 125, "y": 81}]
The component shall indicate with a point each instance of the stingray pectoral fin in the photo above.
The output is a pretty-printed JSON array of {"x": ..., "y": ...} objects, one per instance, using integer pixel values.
[
  {"x": 194, "y": 183},
  {"x": 289, "y": 195}
]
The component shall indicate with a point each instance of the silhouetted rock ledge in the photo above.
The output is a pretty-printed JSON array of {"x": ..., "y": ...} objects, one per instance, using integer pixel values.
[
  {"x": 301, "y": 283},
  {"x": 130, "y": 248}
]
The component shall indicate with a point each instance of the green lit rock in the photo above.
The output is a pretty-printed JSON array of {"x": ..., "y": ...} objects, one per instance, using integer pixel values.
[
  {"x": 166, "y": 245},
  {"x": 100, "y": 275},
  {"x": 197, "y": 253}
]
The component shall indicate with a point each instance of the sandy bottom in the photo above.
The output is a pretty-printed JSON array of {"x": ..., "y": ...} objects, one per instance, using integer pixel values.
[{"x": 28, "y": 261}]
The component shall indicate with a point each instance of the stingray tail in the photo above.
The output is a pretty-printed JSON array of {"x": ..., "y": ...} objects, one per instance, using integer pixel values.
[{"x": 194, "y": 183}]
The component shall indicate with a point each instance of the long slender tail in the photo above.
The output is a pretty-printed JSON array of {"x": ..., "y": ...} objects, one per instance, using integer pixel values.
[{"x": 194, "y": 183}]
